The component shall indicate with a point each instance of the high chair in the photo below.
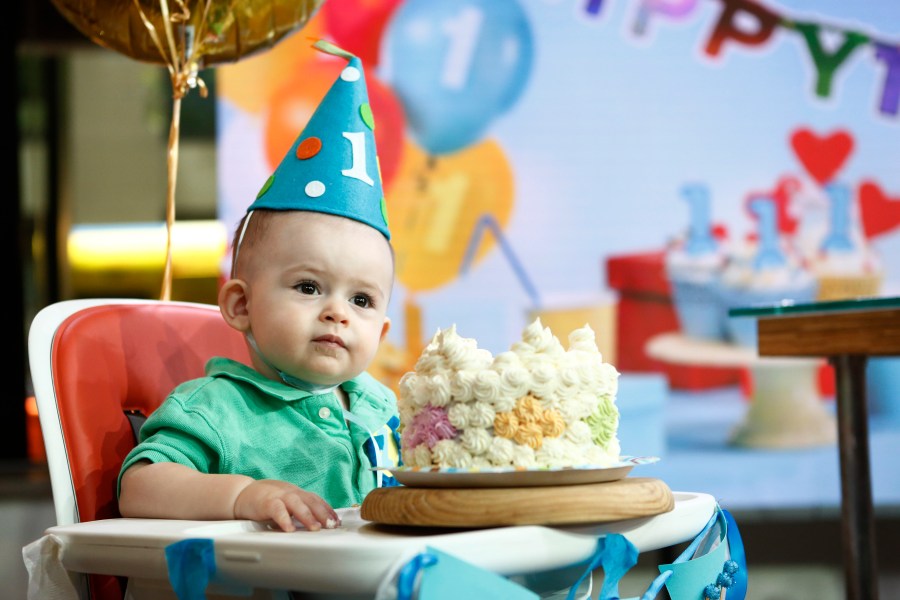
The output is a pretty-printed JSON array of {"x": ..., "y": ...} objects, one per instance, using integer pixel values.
[{"x": 99, "y": 367}]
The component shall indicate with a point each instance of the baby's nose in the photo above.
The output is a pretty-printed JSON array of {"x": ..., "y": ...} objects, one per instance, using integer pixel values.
[{"x": 335, "y": 311}]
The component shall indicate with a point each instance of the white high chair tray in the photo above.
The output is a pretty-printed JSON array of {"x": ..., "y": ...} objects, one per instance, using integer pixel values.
[{"x": 249, "y": 554}]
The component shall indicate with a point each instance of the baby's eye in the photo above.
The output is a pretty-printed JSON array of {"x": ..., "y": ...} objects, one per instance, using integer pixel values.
[
  {"x": 307, "y": 287},
  {"x": 362, "y": 301}
]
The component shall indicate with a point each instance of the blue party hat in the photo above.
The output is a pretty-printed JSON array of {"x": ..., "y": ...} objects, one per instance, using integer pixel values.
[{"x": 332, "y": 167}]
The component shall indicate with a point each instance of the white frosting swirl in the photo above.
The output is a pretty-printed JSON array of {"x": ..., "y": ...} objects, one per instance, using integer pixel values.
[
  {"x": 556, "y": 452},
  {"x": 579, "y": 406},
  {"x": 437, "y": 389},
  {"x": 407, "y": 413},
  {"x": 515, "y": 380},
  {"x": 429, "y": 363},
  {"x": 583, "y": 340},
  {"x": 544, "y": 376},
  {"x": 407, "y": 384},
  {"x": 523, "y": 456},
  {"x": 481, "y": 415},
  {"x": 537, "y": 339},
  {"x": 462, "y": 385},
  {"x": 578, "y": 433},
  {"x": 501, "y": 451},
  {"x": 463, "y": 353},
  {"x": 487, "y": 385},
  {"x": 420, "y": 456},
  {"x": 458, "y": 415},
  {"x": 450, "y": 453},
  {"x": 476, "y": 441},
  {"x": 607, "y": 379}
]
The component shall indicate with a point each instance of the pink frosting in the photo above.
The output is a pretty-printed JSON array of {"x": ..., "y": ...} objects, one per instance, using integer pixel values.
[{"x": 429, "y": 426}]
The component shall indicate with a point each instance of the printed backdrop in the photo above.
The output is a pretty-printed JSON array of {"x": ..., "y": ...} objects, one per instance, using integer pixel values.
[
  {"x": 541, "y": 156},
  {"x": 524, "y": 143}
]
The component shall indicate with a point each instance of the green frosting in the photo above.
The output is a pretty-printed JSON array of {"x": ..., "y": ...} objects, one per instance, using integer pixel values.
[{"x": 604, "y": 421}]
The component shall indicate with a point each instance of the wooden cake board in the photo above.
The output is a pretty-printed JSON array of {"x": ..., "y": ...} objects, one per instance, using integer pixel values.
[{"x": 626, "y": 498}]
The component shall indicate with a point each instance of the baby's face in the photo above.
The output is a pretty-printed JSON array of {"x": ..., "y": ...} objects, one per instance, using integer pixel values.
[{"x": 318, "y": 292}]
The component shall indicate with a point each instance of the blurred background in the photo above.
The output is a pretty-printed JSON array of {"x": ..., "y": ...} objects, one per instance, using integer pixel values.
[{"x": 541, "y": 158}]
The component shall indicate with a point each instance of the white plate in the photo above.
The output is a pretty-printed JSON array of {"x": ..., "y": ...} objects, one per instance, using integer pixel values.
[{"x": 512, "y": 477}]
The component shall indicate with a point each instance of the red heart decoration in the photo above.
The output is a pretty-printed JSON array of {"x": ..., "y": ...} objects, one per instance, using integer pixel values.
[
  {"x": 878, "y": 212},
  {"x": 822, "y": 157}
]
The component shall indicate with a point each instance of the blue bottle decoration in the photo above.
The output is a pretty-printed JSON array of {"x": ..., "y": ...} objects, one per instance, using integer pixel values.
[
  {"x": 838, "y": 237},
  {"x": 769, "y": 254},
  {"x": 700, "y": 240}
]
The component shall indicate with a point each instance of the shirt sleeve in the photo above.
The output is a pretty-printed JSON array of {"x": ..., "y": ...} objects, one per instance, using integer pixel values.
[{"x": 176, "y": 434}]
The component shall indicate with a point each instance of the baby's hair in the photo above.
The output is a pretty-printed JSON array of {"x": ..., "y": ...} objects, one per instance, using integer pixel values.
[{"x": 247, "y": 235}]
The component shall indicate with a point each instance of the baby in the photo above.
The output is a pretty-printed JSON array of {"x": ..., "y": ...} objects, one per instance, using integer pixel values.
[{"x": 296, "y": 435}]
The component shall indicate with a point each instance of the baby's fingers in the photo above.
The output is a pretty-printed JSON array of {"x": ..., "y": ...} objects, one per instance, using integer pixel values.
[
  {"x": 313, "y": 512},
  {"x": 280, "y": 514}
]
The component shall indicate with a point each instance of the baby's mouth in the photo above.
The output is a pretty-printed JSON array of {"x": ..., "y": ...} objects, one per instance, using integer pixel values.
[{"x": 330, "y": 340}]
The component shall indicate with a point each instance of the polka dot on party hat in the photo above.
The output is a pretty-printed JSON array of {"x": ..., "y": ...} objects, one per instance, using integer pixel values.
[
  {"x": 308, "y": 148},
  {"x": 350, "y": 74}
]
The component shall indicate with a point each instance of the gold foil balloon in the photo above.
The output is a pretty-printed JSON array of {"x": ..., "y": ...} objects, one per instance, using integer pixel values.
[{"x": 212, "y": 31}]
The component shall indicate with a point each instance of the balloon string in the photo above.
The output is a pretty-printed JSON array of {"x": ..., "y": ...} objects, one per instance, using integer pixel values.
[
  {"x": 172, "y": 164},
  {"x": 151, "y": 31},
  {"x": 170, "y": 35},
  {"x": 182, "y": 70},
  {"x": 183, "y": 75}
]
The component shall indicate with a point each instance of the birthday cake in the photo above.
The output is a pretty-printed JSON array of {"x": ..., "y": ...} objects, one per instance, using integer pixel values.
[{"x": 533, "y": 406}]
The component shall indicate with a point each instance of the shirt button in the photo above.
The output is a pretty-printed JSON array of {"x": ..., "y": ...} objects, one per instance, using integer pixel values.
[{"x": 324, "y": 412}]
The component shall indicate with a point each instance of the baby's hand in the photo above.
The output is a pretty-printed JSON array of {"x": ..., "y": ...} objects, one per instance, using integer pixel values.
[{"x": 282, "y": 502}]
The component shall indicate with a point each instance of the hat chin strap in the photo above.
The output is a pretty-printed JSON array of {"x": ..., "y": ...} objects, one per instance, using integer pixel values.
[
  {"x": 316, "y": 389},
  {"x": 240, "y": 240}
]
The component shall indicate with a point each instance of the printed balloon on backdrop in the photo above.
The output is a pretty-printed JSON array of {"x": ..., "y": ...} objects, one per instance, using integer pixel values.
[
  {"x": 249, "y": 84},
  {"x": 456, "y": 65},
  {"x": 292, "y": 105},
  {"x": 357, "y": 25},
  {"x": 436, "y": 205}
]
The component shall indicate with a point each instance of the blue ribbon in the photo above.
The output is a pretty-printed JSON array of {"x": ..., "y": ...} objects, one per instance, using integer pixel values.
[
  {"x": 191, "y": 564},
  {"x": 406, "y": 580},
  {"x": 738, "y": 589},
  {"x": 616, "y": 555}
]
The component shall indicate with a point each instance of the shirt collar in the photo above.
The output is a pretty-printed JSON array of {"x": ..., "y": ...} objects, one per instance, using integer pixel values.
[
  {"x": 226, "y": 367},
  {"x": 358, "y": 389}
]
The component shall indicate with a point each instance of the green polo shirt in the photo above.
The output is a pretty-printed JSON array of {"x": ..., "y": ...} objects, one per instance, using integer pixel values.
[{"x": 236, "y": 421}]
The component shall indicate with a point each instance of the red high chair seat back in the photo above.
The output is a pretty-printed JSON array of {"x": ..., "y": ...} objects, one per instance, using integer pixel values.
[{"x": 92, "y": 363}]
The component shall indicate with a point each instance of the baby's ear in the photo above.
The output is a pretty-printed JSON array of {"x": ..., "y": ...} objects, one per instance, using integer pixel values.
[
  {"x": 233, "y": 304},
  {"x": 385, "y": 328}
]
